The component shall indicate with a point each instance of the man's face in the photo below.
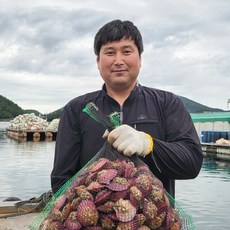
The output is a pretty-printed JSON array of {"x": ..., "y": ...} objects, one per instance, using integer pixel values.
[{"x": 119, "y": 64}]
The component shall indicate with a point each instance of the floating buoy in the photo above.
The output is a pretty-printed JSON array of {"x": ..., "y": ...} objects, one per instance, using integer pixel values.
[
  {"x": 49, "y": 135},
  {"x": 36, "y": 135}
]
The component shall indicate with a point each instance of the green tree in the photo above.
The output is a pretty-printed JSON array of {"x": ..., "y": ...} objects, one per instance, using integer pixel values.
[{"x": 9, "y": 109}]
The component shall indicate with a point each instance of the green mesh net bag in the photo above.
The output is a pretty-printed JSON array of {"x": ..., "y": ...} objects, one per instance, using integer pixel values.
[{"x": 113, "y": 192}]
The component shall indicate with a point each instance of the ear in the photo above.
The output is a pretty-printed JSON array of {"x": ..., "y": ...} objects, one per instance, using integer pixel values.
[{"x": 98, "y": 59}]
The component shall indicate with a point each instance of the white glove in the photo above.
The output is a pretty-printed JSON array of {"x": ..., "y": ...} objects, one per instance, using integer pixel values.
[{"x": 129, "y": 141}]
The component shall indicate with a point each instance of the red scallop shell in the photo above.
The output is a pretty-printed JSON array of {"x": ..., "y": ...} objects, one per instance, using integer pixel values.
[
  {"x": 144, "y": 227},
  {"x": 166, "y": 199},
  {"x": 87, "y": 214},
  {"x": 102, "y": 196},
  {"x": 121, "y": 168},
  {"x": 98, "y": 165},
  {"x": 143, "y": 168},
  {"x": 125, "y": 211},
  {"x": 115, "y": 186},
  {"x": 66, "y": 210},
  {"x": 107, "y": 207},
  {"x": 79, "y": 189},
  {"x": 158, "y": 183},
  {"x": 60, "y": 202},
  {"x": 144, "y": 183},
  {"x": 70, "y": 193},
  {"x": 106, "y": 175},
  {"x": 72, "y": 225},
  {"x": 156, "y": 193},
  {"x": 169, "y": 215},
  {"x": 116, "y": 195},
  {"x": 109, "y": 165},
  {"x": 94, "y": 228},
  {"x": 107, "y": 222},
  {"x": 45, "y": 224},
  {"x": 177, "y": 225},
  {"x": 155, "y": 223},
  {"x": 136, "y": 196},
  {"x": 149, "y": 209},
  {"x": 130, "y": 169},
  {"x": 117, "y": 164},
  {"x": 56, "y": 215},
  {"x": 72, "y": 215},
  {"x": 161, "y": 207},
  {"x": 140, "y": 219},
  {"x": 94, "y": 186},
  {"x": 131, "y": 225},
  {"x": 79, "y": 180},
  {"x": 113, "y": 216},
  {"x": 90, "y": 177},
  {"x": 75, "y": 203},
  {"x": 56, "y": 225},
  {"x": 84, "y": 194}
]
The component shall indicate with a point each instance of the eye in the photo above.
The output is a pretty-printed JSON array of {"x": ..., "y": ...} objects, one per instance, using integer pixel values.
[
  {"x": 109, "y": 52},
  {"x": 127, "y": 52}
]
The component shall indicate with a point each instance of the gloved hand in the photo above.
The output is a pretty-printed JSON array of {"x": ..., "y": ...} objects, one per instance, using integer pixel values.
[{"x": 129, "y": 141}]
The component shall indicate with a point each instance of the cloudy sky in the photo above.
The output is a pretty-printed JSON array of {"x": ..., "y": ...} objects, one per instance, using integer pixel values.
[{"x": 46, "y": 48}]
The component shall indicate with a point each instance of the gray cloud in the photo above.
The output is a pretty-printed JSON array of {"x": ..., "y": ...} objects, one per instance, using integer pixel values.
[{"x": 47, "y": 54}]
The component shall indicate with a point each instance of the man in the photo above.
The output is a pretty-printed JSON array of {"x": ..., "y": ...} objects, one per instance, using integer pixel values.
[{"x": 154, "y": 123}]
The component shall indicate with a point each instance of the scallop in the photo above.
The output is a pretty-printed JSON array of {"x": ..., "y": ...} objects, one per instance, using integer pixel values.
[
  {"x": 87, "y": 214},
  {"x": 125, "y": 211},
  {"x": 106, "y": 175}
]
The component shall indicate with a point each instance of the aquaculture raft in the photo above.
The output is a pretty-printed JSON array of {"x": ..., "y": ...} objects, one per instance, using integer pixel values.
[
  {"x": 31, "y": 135},
  {"x": 218, "y": 152}
]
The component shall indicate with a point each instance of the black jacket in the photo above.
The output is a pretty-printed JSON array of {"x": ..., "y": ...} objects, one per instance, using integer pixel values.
[{"x": 177, "y": 152}]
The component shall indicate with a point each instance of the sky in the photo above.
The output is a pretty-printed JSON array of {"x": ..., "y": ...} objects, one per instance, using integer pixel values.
[{"x": 47, "y": 58}]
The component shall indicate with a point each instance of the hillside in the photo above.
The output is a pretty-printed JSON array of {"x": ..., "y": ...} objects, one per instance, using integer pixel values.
[
  {"x": 9, "y": 109},
  {"x": 194, "y": 107},
  {"x": 55, "y": 114}
]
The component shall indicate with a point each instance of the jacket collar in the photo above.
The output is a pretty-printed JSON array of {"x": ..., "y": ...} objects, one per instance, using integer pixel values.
[{"x": 132, "y": 95}]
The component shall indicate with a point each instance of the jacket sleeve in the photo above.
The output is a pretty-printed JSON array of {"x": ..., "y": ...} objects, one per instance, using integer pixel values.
[
  {"x": 67, "y": 149},
  {"x": 180, "y": 155}
]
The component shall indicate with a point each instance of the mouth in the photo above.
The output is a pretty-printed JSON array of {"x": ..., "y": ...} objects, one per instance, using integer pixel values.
[{"x": 119, "y": 70}]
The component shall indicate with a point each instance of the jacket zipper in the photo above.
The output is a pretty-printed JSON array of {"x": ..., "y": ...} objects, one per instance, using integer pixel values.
[{"x": 121, "y": 115}]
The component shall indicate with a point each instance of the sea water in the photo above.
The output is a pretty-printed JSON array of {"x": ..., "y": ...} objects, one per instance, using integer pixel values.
[{"x": 25, "y": 169}]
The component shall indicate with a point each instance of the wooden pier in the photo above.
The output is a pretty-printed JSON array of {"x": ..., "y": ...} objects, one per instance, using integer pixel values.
[
  {"x": 218, "y": 152},
  {"x": 31, "y": 135}
]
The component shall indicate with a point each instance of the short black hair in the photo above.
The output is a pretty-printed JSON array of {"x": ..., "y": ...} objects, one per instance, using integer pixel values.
[{"x": 115, "y": 31}]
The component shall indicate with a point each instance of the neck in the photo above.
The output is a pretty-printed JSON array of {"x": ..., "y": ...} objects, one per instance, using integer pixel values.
[
  {"x": 120, "y": 95},
  {"x": 120, "y": 98}
]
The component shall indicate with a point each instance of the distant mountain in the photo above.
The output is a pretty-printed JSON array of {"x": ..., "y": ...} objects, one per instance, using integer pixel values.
[
  {"x": 55, "y": 114},
  {"x": 9, "y": 109},
  {"x": 32, "y": 111},
  {"x": 194, "y": 107}
]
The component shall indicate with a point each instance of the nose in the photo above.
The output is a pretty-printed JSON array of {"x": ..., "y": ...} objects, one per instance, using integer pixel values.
[{"x": 118, "y": 59}]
